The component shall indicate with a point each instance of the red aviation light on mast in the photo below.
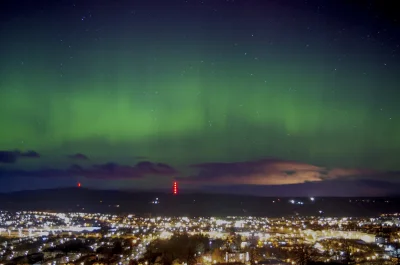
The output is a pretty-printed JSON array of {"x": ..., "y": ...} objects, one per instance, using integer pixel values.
[{"x": 175, "y": 188}]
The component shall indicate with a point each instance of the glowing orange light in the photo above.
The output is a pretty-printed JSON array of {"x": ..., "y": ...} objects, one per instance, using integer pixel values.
[{"x": 79, "y": 184}]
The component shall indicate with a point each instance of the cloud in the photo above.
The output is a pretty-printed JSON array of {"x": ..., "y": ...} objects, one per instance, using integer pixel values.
[
  {"x": 40, "y": 173},
  {"x": 261, "y": 172},
  {"x": 79, "y": 156},
  {"x": 116, "y": 171},
  {"x": 28, "y": 154},
  {"x": 10, "y": 157},
  {"x": 336, "y": 187},
  {"x": 275, "y": 172},
  {"x": 101, "y": 171}
]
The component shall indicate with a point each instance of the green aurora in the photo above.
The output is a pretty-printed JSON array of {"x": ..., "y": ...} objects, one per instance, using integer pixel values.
[{"x": 296, "y": 112}]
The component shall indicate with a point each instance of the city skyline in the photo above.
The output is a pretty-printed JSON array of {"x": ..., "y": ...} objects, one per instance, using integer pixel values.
[{"x": 233, "y": 96}]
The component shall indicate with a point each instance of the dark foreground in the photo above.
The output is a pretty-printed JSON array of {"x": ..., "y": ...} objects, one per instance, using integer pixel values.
[{"x": 141, "y": 203}]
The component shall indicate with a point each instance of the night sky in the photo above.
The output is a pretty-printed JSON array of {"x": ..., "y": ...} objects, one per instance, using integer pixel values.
[{"x": 264, "y": 97}]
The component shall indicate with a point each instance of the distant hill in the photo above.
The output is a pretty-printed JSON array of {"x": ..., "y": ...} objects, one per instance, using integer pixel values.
[{"x": 193, "y": 204}]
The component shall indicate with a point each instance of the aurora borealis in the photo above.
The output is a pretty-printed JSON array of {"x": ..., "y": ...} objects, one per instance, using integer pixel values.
[{"x": 277, "y": 92}]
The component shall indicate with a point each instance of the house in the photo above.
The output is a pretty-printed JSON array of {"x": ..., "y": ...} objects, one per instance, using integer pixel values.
[{"x": 242, "y": 257}]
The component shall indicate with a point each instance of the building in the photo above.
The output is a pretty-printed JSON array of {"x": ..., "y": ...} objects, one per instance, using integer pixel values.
[
  {"x": 235, "y": 257},
  {"x": 382, "y": 238}
]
